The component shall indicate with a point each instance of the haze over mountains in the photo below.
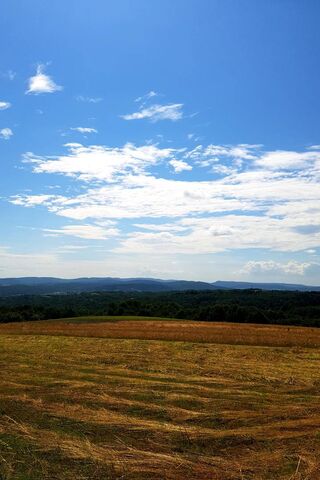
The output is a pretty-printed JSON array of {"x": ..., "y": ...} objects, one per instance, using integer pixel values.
[{"x": 51, "y": 285}]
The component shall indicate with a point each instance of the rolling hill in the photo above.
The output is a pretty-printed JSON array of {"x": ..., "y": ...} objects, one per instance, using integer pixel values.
[{"x": 51, "y": 285}]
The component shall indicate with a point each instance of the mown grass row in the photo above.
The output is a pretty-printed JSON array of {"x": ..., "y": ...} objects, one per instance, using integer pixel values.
[
  {"x": 149, "y": 328},
  {"x": 98, "y": 408}
]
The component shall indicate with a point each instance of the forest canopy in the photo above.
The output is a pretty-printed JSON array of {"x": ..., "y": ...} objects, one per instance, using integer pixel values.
[{"x": 243, "y": 306}]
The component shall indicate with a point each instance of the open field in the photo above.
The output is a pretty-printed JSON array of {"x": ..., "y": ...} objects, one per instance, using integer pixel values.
[
  {"x": 147, "y": 328},
  {"x": 112, "y": 399}
]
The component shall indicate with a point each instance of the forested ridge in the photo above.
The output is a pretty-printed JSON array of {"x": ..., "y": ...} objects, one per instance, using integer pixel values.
[{"x": 245, "y": 306}]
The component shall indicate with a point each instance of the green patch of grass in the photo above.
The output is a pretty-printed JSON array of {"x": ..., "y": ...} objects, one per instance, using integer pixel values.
[{"x": 113, "y": 319}]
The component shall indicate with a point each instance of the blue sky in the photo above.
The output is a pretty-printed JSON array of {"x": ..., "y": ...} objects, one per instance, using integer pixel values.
[{"x": 173, "y": 139}]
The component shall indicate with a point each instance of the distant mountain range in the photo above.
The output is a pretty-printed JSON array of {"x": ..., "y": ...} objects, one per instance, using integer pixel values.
[{"x": 51, "y": 285}]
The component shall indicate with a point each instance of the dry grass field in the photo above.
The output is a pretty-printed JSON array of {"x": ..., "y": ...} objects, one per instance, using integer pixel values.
[
  {"x": 114, "y": 399},
  {"x": 146, "y": 328}
]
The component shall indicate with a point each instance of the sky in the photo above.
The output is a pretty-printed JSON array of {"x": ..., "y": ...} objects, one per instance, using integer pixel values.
[{"x": 167, "y": 138}]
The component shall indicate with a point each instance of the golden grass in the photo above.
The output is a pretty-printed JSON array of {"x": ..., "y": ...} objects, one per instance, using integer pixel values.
[
  {"x": 79, "y": 407},
  {"x": 169, "y": 329}
]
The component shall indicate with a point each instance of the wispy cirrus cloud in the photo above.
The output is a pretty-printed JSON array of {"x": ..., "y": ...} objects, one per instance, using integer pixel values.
[
  {"x": 84, "y": 130},
  {"x": 88, "y": 232},
  {"x": 34, "y": 200},
  {"x": 82, "y": 98},
  {"x": 42, "y": 83},
  {"x": 157, "y": 112},
  {"x": 248, "y": 206},
  {"x": 4, "y": 105},
  {"x": 210, "y": 154},
  {"x": 6, "y": 133},
  {"x": 147, "y": 96}
]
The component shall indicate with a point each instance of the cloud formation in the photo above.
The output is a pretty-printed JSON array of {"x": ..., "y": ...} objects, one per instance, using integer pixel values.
[
  {"x": 179, "y": 165},
  {"x": 42, "y": 83},
  {"x": 156, "y": 112},
  {"x": 89, "y": 232},
  {"x": 84, "y": 130},
  {"x": 4, "y": 105},
  {"x": 291, "y": 267},
  {"x": 100, "y": 163},
  {"x": 6, "y": 133},
  {"x": 147, "y": 96},
  {"x": 248, "y": 204}
]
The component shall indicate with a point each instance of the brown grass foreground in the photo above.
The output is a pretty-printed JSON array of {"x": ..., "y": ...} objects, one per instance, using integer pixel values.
[
  {"x": 224, "y": 402},
  {"x": 146, "y": 328}
]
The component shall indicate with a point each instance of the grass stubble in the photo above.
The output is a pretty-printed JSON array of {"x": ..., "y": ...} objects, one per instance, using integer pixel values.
[{"x": 114, "y": 399}]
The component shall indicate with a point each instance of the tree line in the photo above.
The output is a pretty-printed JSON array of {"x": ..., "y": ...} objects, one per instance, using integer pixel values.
[{"x": 244, "y": 306}]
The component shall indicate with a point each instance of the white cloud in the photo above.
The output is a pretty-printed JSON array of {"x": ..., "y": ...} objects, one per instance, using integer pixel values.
[
  {"x": 223, "y": 170},
  {"x": 101, "y": 163},
  {"x": 157, "y": 112},
  {"x": 290, "y": 268},
  {"x": 147, "y": 96},
  {"x": 217, "y": 234},
  {"x": 69, "y": 262},
  {"x": 134, "y": 196},
  {"x": 84, "y": 130},
  {"x": 42, "y": 83},
  {"x": 287, "y": 160},
  {"x": 252, "y": 206},
  {"x": 5, "y": 105},
  {"x": 6, "y": 133},
  {"x": 179, "y": 165},
  {"x": 34, "y": 200},
  {"x": 205, "y": 156},
  {"x": 89, "y": 232}
]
